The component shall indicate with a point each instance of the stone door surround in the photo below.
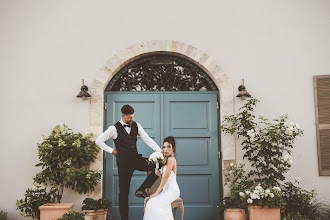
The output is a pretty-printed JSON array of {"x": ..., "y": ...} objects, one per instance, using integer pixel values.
[{"x": 119, "y": 60}]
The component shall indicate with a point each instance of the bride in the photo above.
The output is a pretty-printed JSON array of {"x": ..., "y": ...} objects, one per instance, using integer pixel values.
[{"x": 159, "y": 205}]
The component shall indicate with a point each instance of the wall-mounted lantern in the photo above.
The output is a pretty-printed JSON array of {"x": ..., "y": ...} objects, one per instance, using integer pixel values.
[
  {"x": 243, "y": 94},
  {"x": 83, "y": 93}
]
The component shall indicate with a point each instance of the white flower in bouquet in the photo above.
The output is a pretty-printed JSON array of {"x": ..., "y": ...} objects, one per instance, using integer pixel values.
[
  {"x": 290, "y": 162},
  {"x": 297, "y": 179},
  {"x": 156, "y": 157}
]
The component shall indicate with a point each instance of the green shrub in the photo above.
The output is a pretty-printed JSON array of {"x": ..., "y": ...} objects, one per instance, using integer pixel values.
[
  {"x": 72, "y": 215},
  {"x": 3, "y": 215},
  {"x": 64, "y": 159},
  {"x": 267, "y": 146},
  {"x": 92, "y": 204}
]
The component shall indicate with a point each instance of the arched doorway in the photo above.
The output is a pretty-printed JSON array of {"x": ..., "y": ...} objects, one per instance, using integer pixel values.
[{"x": 171, "y": 96}]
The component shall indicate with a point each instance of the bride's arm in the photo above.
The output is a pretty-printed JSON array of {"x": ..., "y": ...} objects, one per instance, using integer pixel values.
[{"x": 165, "y": 176}]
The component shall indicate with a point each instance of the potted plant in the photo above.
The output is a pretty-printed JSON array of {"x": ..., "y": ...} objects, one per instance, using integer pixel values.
[
  {"x": 267, "y": 147},
  {"x": 263, "y": 203},
  {"x": 64, "y": 159},
  {"x": 232, "y": 205},
  {"x": 71, "y": 215},
  {"x": 96, "y": 209},
  {"x": 234, "y": 209},
  {"x": 303, "y": 204}
]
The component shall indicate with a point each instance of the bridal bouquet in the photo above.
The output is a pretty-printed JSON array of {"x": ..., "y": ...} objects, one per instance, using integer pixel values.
[{"x": 156, "y": 157}]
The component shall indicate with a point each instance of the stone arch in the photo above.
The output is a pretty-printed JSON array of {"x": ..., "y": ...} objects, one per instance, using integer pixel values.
[{"x": 119, "y": 60}]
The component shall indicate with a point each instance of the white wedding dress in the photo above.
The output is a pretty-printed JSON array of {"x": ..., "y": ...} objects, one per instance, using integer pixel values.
[{"x": 159, "y": 207}]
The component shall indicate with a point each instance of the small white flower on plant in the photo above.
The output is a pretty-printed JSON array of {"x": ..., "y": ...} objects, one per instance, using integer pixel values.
[
  {"x": 271, "y": 195},
  {"x": 287, "y": 157},
  {"x": 88, "y": 176},
  {"x": 267, "y": 191},
  {"x": 231, "y": 164},
  {"x": 256, "y": 191},
  {"x": 290, "y": 162},
  {"x": 277, "y": 188},
  {"x": 288, "y": 132},
  {"x": 297, "y": 179},
  {"x": 61, "y": 142},
  {"x": 247, "y": 192},
  {"x": 230, "y": 171},
  {"x": 254, "y": 196},
  {"x": 68, "y": 161},
  {"x": 251, "y": 134},
  {"x": 35, "y": 185},
  {"x": 249, "y": 201},
  {"x": 241, "y": 194},
  {"x": 292, "y": 124},
  {"x": 259, "y": 188},
  {"x": 297, "y": 126}
]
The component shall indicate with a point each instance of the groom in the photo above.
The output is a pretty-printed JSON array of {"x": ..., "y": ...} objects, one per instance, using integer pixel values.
[{"x": 124, "y": 134}]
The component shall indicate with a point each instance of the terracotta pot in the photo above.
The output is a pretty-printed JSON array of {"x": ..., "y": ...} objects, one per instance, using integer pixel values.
[
  {"x": 100, "y": 214},
  {"x": 235, "y": 214},
  {"x": 53, "y": 211},
  {"x": 258, "y": 213}
]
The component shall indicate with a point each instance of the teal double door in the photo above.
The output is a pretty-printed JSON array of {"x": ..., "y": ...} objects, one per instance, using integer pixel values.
[{"x": 192, "y": 118}]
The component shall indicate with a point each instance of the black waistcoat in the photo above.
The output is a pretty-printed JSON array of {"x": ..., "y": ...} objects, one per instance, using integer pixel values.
[{"x": 126, "y": 142}]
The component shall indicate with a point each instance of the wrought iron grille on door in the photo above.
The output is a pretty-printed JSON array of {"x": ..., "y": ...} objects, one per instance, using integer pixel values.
[{"x": 161, "y": 73}]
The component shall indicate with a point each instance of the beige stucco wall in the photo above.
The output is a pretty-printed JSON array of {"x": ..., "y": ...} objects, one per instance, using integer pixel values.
[{"x": 47, "y": 47}]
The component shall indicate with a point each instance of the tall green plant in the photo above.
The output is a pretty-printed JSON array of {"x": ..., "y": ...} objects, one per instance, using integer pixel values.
[
  {"x": 266, "y": 144},
  {"x": 64, "y": 159}
]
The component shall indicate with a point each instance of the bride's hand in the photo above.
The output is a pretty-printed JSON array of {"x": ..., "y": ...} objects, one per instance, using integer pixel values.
[
  {"x": 157, "y": 172},
  {"x": 153, "y": 195}
]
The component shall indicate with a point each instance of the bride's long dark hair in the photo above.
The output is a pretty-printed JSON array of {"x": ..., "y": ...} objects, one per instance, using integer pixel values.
[{"x": 170, "y": 140}]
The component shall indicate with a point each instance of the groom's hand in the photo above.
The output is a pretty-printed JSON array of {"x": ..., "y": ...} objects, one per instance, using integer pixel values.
[
  {"x": 157, "y": 172},
  {"x": 114, "y": 152}
]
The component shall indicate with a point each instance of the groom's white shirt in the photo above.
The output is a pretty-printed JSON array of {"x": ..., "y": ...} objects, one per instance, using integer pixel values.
[{"x": 111, "y": 132}]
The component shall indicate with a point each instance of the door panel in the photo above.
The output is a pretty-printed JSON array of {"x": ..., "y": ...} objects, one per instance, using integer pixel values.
[
  {"x": 192, "y": 119},
  {"x": 147, "y": 113}
]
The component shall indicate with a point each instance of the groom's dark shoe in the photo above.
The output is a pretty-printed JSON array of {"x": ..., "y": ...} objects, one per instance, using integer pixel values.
[{"x": 141, "y": 194}]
